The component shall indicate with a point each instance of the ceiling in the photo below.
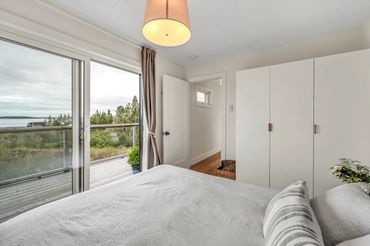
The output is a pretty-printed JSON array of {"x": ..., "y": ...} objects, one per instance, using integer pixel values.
[{"x": 223, "y": 28}]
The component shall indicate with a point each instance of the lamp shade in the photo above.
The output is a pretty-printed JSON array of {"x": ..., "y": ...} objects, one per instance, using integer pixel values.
[{"x": 166, "y": 22}]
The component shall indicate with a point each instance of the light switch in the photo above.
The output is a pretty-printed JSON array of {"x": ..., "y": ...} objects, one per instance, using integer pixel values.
[{"x": 231, "y": 108}]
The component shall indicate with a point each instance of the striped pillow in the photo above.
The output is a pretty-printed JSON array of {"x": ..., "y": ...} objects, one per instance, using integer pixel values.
[{"x": 289, "y": 219}]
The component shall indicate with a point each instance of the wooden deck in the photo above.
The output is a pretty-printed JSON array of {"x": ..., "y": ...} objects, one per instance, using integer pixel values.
[
  {"x": 109, "y": 171},
  {"x": 20, "y": 197}
]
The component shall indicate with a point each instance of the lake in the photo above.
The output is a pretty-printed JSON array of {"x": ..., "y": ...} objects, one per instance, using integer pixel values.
[{"x": 18, "y": 122}]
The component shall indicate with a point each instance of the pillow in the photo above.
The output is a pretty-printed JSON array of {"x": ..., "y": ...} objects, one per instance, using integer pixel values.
[
  {"x": 290, "y": 220},
  {"x": 361, "y": 241},
  {"x": 343, "y": 213}
]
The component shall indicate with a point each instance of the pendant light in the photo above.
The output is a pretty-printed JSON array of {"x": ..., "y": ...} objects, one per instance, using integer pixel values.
[{"x": 166, "y": 22}]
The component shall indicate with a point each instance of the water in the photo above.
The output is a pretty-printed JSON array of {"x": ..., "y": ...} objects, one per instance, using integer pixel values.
[{"x": 18, "y": 122}]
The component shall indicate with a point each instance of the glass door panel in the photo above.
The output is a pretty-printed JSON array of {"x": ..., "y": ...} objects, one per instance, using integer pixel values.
[
  {"x": 35, "y": 128},
  {"x": 114, "y": 123}
]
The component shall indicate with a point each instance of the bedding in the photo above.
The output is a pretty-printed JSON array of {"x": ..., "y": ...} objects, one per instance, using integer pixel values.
[
  {"x": 162, "y": 206},
  {"x": 343, "y": 213},
  {"x": 290, "y": 220},
  {"x": 361, "y": 241}
]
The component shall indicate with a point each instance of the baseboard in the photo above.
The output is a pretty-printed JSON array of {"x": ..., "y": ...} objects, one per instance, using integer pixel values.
[{"x": 203, "y": 156}]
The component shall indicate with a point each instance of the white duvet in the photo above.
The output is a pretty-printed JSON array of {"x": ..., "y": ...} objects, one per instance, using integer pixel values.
[{"x": 164, "y": 206}]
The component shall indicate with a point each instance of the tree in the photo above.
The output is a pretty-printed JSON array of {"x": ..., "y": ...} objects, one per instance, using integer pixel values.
[
  {"x": 135, "y": 112},
  {"x": 94, "y": 119},
  {"x": 101, "y": 118},
  {"x": 61, "y": 120},
  {"x": 129, "y": 113},
  {"x": 109, "y": 117}
]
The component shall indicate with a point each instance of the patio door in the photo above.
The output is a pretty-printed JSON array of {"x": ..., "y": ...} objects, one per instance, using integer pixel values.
[
  {"x": 114, "y": 124},
  {"x": 39, "y": 127}
]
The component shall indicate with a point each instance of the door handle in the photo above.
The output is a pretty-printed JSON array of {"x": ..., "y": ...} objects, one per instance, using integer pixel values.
[{"x": 166, "y": 133}]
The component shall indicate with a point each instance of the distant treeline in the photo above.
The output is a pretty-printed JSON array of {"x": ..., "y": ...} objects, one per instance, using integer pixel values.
[{"x": 123, "y": 115}]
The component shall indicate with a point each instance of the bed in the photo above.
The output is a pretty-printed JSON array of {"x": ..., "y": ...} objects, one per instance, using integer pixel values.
[{"x": 163, "y": 206}]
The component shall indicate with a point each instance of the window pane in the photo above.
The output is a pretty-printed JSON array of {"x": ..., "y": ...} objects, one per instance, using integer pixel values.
[
  {"x": 207, "y": 97},
  {"x": 35, "y": 126},
  {"x": 201, "y": 97}
]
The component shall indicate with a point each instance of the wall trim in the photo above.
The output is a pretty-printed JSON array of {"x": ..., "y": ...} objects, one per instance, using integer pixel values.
[
  {"x": 204, "y": 156},
  {"x": 210, "y": 76},
  {"x": 19, "y": 29},
  {"x": 54, "y": 7}
]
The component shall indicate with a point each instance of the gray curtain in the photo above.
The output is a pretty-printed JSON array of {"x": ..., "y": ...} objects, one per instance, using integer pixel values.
[{"x": 149, "y": 101}]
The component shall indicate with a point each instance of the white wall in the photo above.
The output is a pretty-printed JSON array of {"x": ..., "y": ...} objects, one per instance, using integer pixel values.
[
  {"x": 205, "y": 122},
  {"x": 326, "y": 45},
  {"x": 38, "y": 21},
  {"x": 367, "y": 34}
]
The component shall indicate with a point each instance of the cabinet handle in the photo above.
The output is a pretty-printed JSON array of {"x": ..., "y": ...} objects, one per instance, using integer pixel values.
[
  {"x": 315, "y": 129},
  {"x": 270, "y": 127}
]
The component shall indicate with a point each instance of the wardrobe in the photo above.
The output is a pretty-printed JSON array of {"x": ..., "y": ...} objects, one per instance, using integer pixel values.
[{"x": 295, "y": 120}]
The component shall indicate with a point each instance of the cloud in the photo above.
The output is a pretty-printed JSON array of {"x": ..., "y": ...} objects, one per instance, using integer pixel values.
[
  {"x": 111, "y": 103},
  {"x": 36, "y": 83}
]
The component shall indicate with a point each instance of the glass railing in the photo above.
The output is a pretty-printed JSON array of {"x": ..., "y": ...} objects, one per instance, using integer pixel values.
[
  {"x": 34, "y": 152},
  {"x": 112, "y": 141}
]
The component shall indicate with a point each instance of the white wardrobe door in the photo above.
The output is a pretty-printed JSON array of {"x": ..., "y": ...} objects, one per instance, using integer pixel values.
[
  {"x": 252, "y": 117},
  {"x": 292, "y": 119},
  {"x": 342, "y": 111}
]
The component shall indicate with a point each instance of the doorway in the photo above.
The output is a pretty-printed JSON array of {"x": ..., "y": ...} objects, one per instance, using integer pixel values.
[{"x": 207, "y": 122}]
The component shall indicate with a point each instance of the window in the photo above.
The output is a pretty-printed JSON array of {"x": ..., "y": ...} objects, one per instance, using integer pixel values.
[{"x": 203, "y": 97}]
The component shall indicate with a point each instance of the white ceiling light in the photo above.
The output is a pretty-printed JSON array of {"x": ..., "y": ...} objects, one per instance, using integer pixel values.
[{"x": 166, "y": 22}]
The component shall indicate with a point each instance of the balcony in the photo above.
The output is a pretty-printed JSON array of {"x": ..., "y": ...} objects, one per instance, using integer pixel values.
[{"x": 23, "y": 188}]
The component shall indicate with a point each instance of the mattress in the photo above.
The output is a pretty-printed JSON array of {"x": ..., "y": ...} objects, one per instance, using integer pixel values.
[{"x": 163, "y": 206}]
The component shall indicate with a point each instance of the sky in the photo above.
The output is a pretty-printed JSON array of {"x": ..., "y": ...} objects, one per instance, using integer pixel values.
[
  {"x": 38, "y": 84},
  {"x": 111, "y": 87}
]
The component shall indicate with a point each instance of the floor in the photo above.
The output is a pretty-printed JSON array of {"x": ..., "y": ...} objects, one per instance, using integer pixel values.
[
  {"x": 109, "y": 171},
  {"x": 209, "y": 165},
  {"x": 20, "y": 197}
]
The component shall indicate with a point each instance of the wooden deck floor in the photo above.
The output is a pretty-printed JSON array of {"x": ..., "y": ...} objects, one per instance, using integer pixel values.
[
  {"x": 109, "y": 171},
  {"x": 20, "y": 197}
]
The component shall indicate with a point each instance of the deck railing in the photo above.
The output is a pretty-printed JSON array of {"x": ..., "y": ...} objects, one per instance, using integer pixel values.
[
  {"x": 133, "y": 126},
  {"x": 64, "y": 129}
]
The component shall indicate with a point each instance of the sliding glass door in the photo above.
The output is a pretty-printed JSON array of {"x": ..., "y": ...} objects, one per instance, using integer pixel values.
[
  {"x": 66, "y": 125},
  {"x": 38, "y": 127},
  {"x": 115, "y": 124}
]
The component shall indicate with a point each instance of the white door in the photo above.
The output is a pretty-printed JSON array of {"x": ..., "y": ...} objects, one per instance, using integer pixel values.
[
  {"x": 175, "y": 121},
  {"x": 342, "y": 100},
  {"x": 252, "y": 118},
  {"x": 292, "y": 118}
]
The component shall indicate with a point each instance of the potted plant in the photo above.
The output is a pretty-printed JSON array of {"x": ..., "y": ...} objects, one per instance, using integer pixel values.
[
  {"x": 134, "y": 157},
  {"x": 351, "y": 171}
]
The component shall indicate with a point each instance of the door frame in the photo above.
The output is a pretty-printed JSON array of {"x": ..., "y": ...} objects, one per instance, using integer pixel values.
[{"x": 222, "y": 77}]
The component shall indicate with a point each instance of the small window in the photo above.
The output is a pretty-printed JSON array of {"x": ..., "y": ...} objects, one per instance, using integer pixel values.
[{"x": 203, "y": 97}]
